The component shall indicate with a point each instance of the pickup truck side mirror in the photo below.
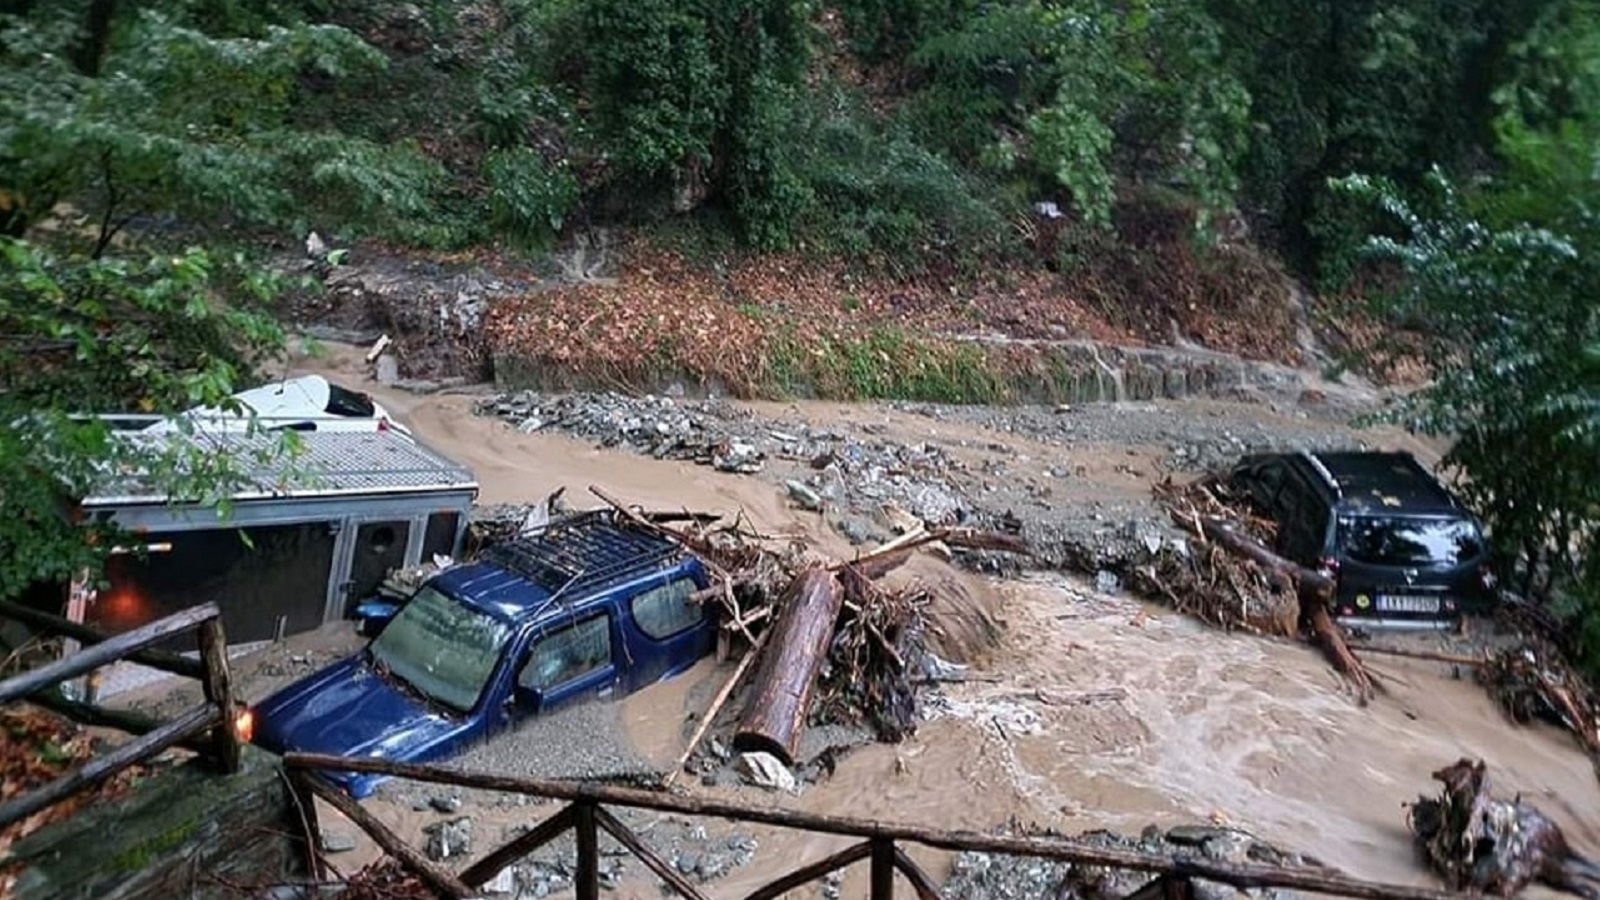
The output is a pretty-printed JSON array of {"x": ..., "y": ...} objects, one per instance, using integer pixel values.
[{"x": 373, "y": 614}]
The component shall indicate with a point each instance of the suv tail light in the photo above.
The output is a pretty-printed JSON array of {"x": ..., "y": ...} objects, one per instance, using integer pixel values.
[{"x": 383, "y": 424}]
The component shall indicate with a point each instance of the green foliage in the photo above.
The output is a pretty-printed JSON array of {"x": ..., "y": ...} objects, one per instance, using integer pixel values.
[
  {"x": 883, "y": 363},
  {"x": 1079, "y": 96},
  {"x": 96, "y": 336},
  {"x": 1547, "y": 117},
  {"x": 174, "y": 120},
  {"x": 1383, "y": 87},
  {"x": 882, "y": 30},
  {"x": 1516, "y": 383},
  {"x": 659, "y": 92},
  {"x": 700, "y": 94},
  {"x": 529, "y": 197}
]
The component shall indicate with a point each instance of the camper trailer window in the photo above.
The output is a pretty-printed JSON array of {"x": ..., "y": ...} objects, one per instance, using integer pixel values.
[{"x": 345, "y": 402}]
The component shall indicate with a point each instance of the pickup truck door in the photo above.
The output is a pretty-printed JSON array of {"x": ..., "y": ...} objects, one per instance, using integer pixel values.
[{"x": 569, "y": 661}]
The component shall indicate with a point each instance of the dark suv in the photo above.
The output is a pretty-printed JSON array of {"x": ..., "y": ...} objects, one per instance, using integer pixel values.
[{"x": 1402, "y": 550}]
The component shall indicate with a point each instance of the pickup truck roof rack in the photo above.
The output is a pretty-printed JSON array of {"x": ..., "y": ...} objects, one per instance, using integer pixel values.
[{"x": 582, "y": 551}]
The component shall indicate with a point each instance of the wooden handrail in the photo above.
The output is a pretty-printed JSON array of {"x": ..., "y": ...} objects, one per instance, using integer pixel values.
[
  {"x": 215, "y": 715},
  {"x": 102, "y": 767},
  {"x": 479, "y": 873},
  {"x": 83, "y": 634},
  {"x": 109, "y": 651},
  {"x": 1250, "y": 875}
]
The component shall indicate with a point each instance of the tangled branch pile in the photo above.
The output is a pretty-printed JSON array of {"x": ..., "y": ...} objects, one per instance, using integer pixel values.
[
  {"x": 1486, "y": 845},
  {"x": 386, "y": 879},
  {"x": 1207, "y": 581},
  {"x": 1534, "y": 681},
  {"x": 875, "y": 649}
]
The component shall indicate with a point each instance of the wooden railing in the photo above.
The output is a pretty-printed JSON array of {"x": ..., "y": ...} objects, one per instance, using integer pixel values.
[
  {"x": 879, "y": 842},
  {"x": 209, "y": 728}
]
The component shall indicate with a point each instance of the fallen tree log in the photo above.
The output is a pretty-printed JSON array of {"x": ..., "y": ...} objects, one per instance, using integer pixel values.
[
  {"x": 797, "y": 643},
  {"x": 1333, "y": 644},
  {"x": 1314, "y": 591},
  {"x": 1454, "y": 659}
]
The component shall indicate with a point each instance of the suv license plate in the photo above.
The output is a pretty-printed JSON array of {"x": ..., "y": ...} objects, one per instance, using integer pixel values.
[{"x": 1407, "y": 603}]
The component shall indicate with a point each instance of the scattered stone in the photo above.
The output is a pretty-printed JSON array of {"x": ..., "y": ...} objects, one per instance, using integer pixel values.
[
  {"x": 503, "y": 883},
  {"x": 445, "y": 804},
  {"x": 447, "y": 840},
  {"x": 803, "y": 495},
  {"x": 335, "y": 841},
  {"x": 387, "y": 370},
  {"x": 764, "y": 770},
  {"x": 688, "y": 861},
  {"x": 996, "y": 877}
]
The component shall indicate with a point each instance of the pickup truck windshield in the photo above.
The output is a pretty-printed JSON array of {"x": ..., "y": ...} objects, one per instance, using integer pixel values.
[{"x": 442, "y": 648}]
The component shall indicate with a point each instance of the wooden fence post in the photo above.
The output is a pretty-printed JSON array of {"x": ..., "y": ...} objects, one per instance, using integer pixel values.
[
  {"x": 882, "y": 869},
  {"x": 587, "y": 883},
  {"x": 219, "y": 690}
]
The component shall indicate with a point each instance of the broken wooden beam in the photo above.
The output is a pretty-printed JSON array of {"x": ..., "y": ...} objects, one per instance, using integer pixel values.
[
  {"x": 797, "y": 644},
  {"x": 710, "y": 716},
  {"x": 435, "y": 876}
]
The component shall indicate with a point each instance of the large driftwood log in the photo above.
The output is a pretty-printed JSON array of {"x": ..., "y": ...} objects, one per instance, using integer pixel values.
[
  {"x": 787, "y": 671},
  {"x": 1314, "y": 591}
]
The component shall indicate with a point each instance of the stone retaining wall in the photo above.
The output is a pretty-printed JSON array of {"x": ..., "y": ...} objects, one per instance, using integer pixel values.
[{"x": 1028, "y": 372}]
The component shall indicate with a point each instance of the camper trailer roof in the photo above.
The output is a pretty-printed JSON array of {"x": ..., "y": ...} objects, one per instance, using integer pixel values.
[{"x": 333, "y": 464}]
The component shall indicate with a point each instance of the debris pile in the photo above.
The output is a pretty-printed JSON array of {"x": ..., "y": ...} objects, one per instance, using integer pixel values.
[
  {"x": 988, "y": 876},
  {"x": 1488, "y": 845},
  {"x": 827, "y": 644},
  {"x": 1206, "y": 580},
  {"x": 1533, "y": 681},
  {"x": 386, "y": 879}
]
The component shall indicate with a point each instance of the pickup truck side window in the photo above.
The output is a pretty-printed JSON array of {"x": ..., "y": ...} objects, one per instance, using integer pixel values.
[
  {"x": 664, "y": 611},
  {"x": 567, "y": 653}
]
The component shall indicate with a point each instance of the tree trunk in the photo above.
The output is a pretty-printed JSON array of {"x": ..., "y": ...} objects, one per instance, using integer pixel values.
[
  {"x": 796, "y": 646},
  {"x": 96, "y": 37},
  {"x": 1314, "y": 590}
]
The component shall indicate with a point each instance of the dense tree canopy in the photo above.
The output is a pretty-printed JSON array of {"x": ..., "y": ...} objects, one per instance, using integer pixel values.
[{"x": 907, "y": 132}]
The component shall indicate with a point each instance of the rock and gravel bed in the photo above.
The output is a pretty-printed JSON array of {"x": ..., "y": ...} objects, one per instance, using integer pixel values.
[
  {"x": 967, "y": 469},
  {"x": 988, "y": 876}
]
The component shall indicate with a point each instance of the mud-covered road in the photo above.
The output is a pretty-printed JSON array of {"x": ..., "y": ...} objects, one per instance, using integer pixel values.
[{"x": 1203, "y": 726}]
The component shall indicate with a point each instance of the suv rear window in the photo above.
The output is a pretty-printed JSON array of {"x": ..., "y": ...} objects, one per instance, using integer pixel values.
[
  {"x": 345, "y": 402},
  {"x": 1398, "y": 541}
]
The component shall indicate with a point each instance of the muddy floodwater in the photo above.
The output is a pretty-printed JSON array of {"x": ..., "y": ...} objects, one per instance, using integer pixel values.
[{"x": 1094, "y": 711}]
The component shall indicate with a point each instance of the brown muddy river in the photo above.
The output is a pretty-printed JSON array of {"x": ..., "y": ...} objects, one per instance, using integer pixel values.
[{"x": 1185, "y": 723}]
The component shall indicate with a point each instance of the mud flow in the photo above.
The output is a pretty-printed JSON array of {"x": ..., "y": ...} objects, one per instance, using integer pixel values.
[{"x": 1082, "y": 708}]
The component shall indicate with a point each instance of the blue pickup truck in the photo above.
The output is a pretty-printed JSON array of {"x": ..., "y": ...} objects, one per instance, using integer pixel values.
[{"x": 589, "y": 607}]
